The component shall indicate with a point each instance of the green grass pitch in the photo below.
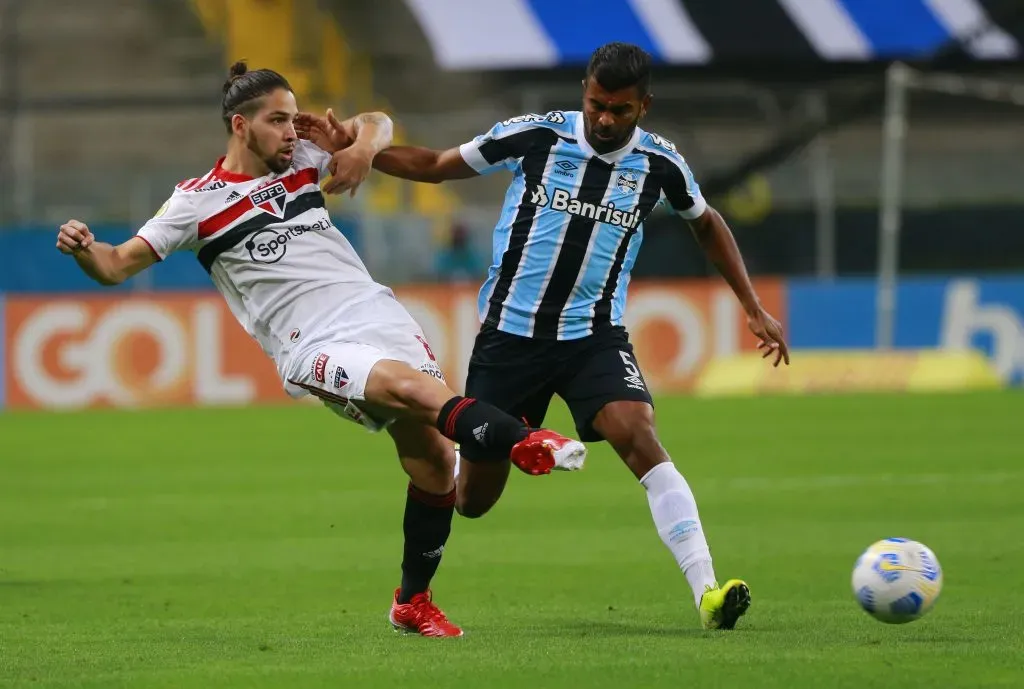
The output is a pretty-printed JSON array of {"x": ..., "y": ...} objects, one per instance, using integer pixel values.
[{"x": 260, "y": 548}]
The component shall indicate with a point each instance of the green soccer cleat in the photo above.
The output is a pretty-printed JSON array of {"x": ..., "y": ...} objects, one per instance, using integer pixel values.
[{"x": 720, "y": 607}]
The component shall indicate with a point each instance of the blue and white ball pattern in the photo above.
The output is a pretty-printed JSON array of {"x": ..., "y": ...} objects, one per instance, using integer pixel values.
[{"x": 897, "y": 580}]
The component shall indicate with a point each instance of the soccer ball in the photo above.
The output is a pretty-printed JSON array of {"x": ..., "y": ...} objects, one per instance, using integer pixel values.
[{"x": 897, "y": 580}]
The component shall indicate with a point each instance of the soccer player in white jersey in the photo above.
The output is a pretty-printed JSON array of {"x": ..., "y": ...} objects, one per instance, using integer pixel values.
[
  {"x": 553, "y": 303},
  {"x": 257, "y": 224}
]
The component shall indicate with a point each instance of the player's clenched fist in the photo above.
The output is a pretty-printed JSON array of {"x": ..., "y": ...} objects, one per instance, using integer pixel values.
[
  {"x": 349, "y": 168},
  {"x": 73, "y": 237}
]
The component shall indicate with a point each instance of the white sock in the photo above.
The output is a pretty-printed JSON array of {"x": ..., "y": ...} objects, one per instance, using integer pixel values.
[{"x": 675, "y": 516}]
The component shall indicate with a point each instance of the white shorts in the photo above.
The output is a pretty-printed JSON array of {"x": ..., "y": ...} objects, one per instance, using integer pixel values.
[{"x": 335, "y": 364}]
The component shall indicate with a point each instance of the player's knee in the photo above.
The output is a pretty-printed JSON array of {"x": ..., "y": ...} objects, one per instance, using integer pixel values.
[
  {"x": 430, "y": 466},
  {"x": 626, "y": 424},
  {"x": 440, "y": 461},
  {"x": 629, "y": 428},
  {"x": 645, "y": 444},
  {"x": 469, "y": 509},
  {"x": 480, "y": 487},
  {"x": 409, "y": 389},
  {"x": 643, "y": 428},
  {"x": 430, "y": 475}
]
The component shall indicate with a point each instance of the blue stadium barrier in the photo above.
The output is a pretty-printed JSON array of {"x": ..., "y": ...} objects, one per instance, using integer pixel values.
[
  {"x": 986, "y": 313},
  {"x": 3, "y": 353},
  {"x": 30, "y": 263}
]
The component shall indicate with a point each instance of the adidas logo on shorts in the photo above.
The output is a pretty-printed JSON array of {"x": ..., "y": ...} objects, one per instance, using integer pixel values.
[{"x": 480, "y": 432}]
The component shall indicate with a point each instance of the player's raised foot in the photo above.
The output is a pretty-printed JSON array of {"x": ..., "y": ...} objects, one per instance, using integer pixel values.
[
  {"x": 721, "y": 606},
  {"x": 420, "y": 616},
  {"x": 543, "y": 450}
]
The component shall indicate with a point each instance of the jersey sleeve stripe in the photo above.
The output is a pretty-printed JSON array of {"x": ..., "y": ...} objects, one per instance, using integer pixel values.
[
  {"x": 507, "y": 130},
  {"x": 155, "y": 252},
  {"x": 514, "y": 146},
  {"x": 506, "y": 143},
  {"x": 694, "y": 211},
  {"x": 198, "y": 182},
  {"x": 679, "y": 186},
  {"x": 470, "y": 152},
  {"x": 674, "y": 158}
]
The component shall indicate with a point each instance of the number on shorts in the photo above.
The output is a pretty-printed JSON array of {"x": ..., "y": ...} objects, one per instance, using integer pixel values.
[{"x": 631, "y": 367}]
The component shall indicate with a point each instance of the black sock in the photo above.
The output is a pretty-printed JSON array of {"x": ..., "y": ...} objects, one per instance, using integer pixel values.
[
  {"x": 428, "y": 521},
  {"x": 483, "y": 432}
]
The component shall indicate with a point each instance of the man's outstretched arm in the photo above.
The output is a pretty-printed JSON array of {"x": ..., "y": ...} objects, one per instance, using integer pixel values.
[
  {"x": 719, "y": 245},
  {"x": 423, "y": 164},
  {"x": 106, "y": 264},
  {"x": 714, "y": 237},
  {"x": 500, "y": 148},
  {"x": 367, "y": 137}
]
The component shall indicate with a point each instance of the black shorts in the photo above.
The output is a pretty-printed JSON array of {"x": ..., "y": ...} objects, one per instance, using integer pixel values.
[{"x": 519, "y": 375}]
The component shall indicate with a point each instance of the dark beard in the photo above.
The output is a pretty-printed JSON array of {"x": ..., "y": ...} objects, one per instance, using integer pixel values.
[
  {"x": 275, "y": 165},
  {"x": 278, "y": 166},
  {"x": 602, "y": 147}
]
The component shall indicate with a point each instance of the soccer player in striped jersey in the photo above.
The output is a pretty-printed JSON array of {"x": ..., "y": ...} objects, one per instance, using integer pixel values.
[
  {"x": 256, "y": 222},
  {"x": 552, "y": 305}
]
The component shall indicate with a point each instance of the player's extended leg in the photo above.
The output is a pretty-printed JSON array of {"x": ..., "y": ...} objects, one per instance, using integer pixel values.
[
  {"x": 480, "y": 484},
  {"x": 609, "y": 400},
  {"x": 629, "y": 427},
  {"x": 429, "y": 460},
  {"x": 484, "y": 432},
  {"x": 515, "y": 374}
]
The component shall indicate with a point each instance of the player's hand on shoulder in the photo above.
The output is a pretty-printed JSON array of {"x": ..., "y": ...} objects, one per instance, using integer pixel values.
[
  {"x": 323, "y": 131},
  {"x": 74, "y": 236},
  {"x": 771, "y": 338}
]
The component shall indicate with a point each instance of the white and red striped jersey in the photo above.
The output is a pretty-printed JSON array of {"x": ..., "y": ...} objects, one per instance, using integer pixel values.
[{"x": 286, "y": 271}]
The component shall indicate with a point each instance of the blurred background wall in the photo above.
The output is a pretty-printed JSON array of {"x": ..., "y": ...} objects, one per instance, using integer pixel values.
[{"x": 778, "y": 106}]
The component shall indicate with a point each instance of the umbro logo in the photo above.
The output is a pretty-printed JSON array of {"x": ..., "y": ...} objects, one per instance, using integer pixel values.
[
  {"x": 634, "y": 382},
  {"x": 566, "y": 168},
  {"x": 233, "y": 196}
]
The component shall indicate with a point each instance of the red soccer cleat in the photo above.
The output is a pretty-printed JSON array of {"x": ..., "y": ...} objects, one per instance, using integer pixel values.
[
  {"x": 544, "y": 450},
  {"x": 420, "y": 616}
]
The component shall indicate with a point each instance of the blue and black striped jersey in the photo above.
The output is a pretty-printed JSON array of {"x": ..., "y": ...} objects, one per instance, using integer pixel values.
[{"x": 572, "y": 222}]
